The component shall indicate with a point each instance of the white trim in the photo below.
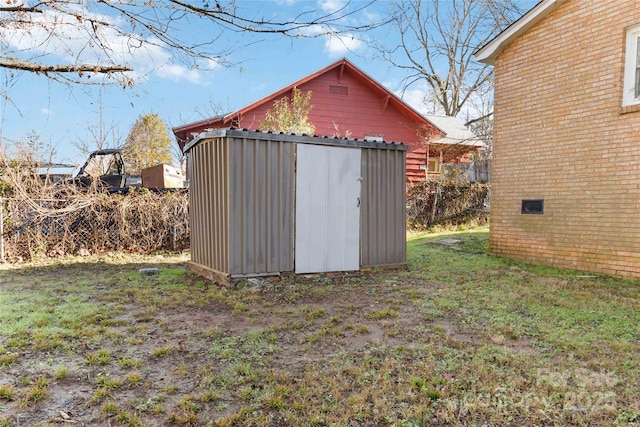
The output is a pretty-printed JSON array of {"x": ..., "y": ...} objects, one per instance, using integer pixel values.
[
  {"x": 489, "y": 52},
  {"x": 376, "y": 138},
  {"x": 630, "y": 65}
]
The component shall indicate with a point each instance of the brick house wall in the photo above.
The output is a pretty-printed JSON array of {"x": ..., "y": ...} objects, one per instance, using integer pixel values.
[{"x": 561, "y": 135}]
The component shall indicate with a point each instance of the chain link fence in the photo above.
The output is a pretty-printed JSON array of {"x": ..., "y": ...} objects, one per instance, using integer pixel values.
[
  {"x": 448, "y": 202},
  {"x": 140, "y": 221},
  {"x": 143, "y": 221}
]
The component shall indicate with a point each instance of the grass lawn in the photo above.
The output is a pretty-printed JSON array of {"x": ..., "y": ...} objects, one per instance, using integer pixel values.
[{"x": 456, "y": 338}]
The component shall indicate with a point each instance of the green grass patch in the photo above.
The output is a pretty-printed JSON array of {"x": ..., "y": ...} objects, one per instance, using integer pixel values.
[
  {"x": 457, "y": 337},
  {"x": 99, "y": 357}
]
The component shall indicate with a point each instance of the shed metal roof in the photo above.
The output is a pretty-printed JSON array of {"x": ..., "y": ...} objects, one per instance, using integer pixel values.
[{"x": 294, "y": 138}]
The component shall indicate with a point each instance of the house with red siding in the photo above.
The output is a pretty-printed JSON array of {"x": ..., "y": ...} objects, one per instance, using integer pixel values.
[
  {"x": 349, "y": 103},
  {"x": 566, "y": 153}
]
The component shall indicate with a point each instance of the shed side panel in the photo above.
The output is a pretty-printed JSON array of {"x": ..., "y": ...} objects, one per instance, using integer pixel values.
[
  {"x": 383, "y": 210},
  {"x": 209, "y": 204},
  {"x": 261, "y": 222}
]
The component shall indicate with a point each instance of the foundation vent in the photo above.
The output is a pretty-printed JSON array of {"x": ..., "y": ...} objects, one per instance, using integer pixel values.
[{"x": 534, "y": 206}]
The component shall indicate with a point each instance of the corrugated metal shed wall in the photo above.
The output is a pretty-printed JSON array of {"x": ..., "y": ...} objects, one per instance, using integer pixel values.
[
  {"x": 243, "y": 201},
  {"x": 209, "y": 203},
  {"x": 383, "y": 212},
  {"x": 262, "y": 198}
]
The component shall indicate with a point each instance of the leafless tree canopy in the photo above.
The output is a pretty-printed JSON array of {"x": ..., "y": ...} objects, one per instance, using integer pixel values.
[
  {"x": 72, "y": 40},
  {"x": 437, "y": 41}
]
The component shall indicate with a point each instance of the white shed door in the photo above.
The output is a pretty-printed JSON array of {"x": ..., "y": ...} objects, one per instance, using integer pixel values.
[{"x": 327, "y": 209}]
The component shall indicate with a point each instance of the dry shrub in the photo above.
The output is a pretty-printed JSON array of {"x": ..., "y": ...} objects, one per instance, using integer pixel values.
[
  {"x": 41, "y": 219},
  {"x": 448, "y": 202},
  {"x": 82, "y": 221}
]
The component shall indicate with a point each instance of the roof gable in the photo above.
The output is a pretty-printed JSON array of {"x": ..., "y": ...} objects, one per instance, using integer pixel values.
[
  {"x": 490, "y": 51},
  {"x": 343, "y": 65}
]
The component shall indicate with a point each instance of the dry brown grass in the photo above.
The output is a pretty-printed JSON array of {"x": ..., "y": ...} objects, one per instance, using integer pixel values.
[{"x": 450, "y": 202}]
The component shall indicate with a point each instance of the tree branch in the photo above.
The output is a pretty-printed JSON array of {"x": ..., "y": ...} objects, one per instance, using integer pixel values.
[
  {"x": 107, "y": 36},
  {"x": 437, "y": 39},
  {"x": 34, "y": 67},
  {"x": 478, "y": 119}
]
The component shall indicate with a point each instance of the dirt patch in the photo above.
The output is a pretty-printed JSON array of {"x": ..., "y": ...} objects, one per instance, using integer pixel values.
[{"x": 165, "y": 343}]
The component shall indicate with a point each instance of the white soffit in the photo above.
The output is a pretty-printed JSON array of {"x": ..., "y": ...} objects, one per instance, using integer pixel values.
[{"x": 491, "y": 50}]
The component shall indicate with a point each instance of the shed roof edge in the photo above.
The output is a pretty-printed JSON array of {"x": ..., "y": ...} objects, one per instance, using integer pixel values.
[{"x": 294, "y": 138}]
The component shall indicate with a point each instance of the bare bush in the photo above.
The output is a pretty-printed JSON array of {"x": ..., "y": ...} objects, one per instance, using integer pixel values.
[
  {"x": 40, "y": 219},
  {"x": 75, "y": 222},
  {"x": 449, "y": 202}
]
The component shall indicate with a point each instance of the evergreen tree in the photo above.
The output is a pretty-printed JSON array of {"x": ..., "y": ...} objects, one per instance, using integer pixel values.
[{"x": 148, "y": 144}]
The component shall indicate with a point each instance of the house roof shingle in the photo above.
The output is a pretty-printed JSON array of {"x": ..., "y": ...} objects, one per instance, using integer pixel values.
[{"x": 456, "y": 133}]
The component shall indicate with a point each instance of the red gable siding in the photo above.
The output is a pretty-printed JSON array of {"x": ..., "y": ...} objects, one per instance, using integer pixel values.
[
  {"x": 359, "y": 113},
  {"x": 346, "y": 102}
]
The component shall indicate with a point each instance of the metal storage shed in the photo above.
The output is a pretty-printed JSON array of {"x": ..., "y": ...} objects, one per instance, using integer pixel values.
[{"x": 264, "y": 203}]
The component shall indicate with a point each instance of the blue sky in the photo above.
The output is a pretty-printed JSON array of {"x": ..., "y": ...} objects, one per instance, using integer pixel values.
[{"x": 61, "y": 114}]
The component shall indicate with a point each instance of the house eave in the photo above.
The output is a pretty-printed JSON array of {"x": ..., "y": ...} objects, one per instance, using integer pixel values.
[{"x": 490, "y": 51}]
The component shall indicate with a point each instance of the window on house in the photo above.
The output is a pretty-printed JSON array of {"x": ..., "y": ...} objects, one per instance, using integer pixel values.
[
  {"x": 434, "y": 165},
  {"x": 631, "y": 94}
]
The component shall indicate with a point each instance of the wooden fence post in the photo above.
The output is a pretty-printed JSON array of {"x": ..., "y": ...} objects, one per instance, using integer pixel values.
[
  {"x": 1, "y": 230},
  {"x": 435, "y": 203}
]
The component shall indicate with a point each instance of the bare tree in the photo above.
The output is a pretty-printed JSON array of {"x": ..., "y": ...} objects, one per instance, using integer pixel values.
[
  {"x": 481, "y": 104},
  {"x": 73, "y": 41},
  {"x": 101, "y": 135},
  {"x": 437, "y": 41},
  {"x": 215, "y": 107}
]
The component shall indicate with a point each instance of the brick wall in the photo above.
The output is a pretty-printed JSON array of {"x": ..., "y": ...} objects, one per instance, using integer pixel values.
[{"x": 561, "y": 136}]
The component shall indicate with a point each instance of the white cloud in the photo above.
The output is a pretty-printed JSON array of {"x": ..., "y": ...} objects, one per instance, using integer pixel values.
[
  {"x": 331, "y": 6},
  {"x": 415, "y": 98},
  {"x": 341, "y": 44},
  {"x": 177, "y": 73},
  {"x": 60, "y": 37},
  {"x": 46, "y": 112},
  {"x": 418, "y": 99}
]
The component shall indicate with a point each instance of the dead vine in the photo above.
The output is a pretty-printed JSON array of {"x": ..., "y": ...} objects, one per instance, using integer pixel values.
[
  {"x": 40, "y": 219},
  {"x": 448, "y": 202}
]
